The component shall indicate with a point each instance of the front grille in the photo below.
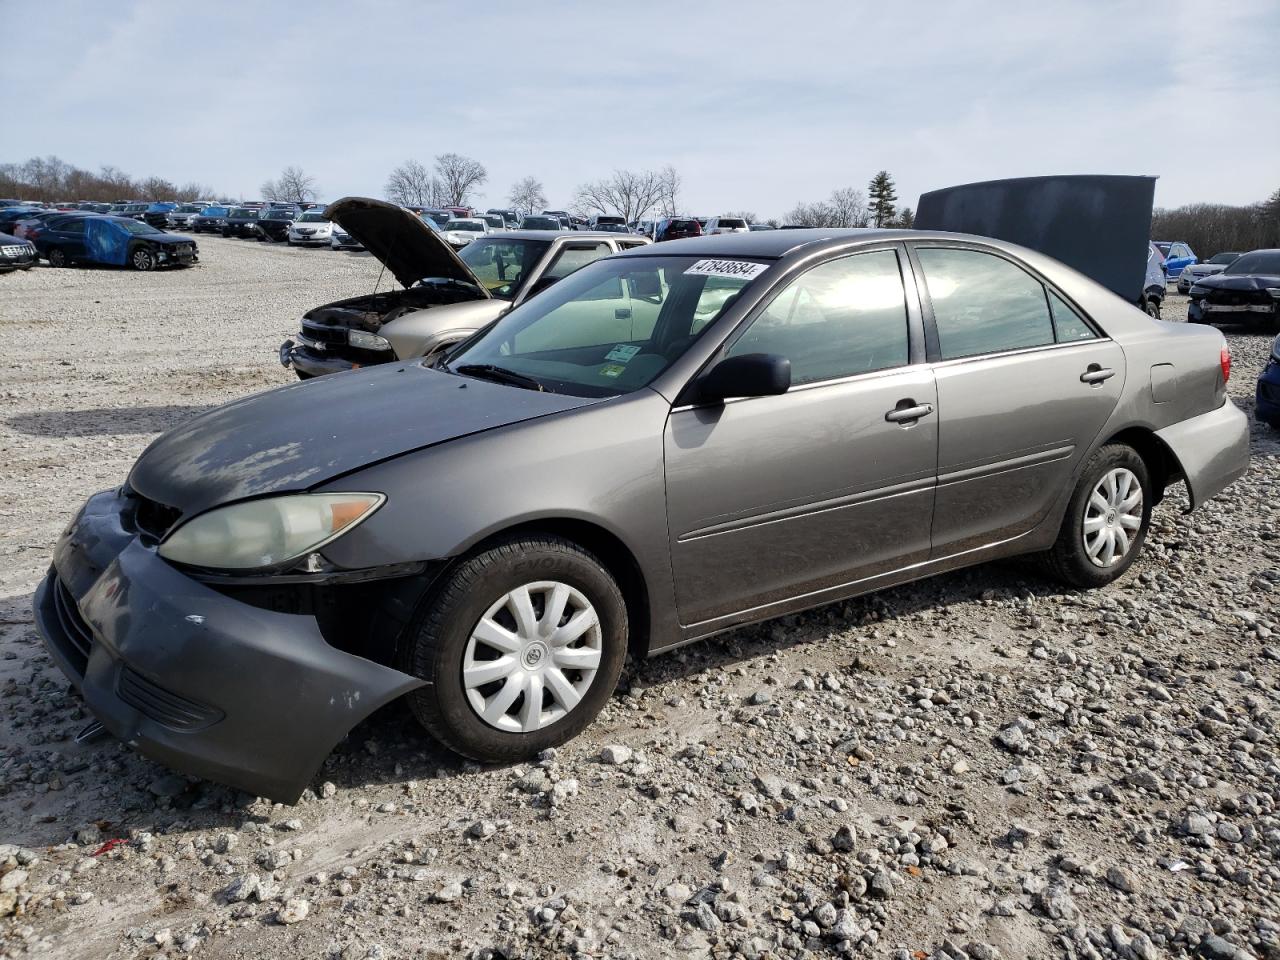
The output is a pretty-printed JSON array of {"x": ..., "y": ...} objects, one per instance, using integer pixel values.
[
  {"x": 154, "y": 519},
  {"x": 1236, "y": 298},
  {"x": 163, "y": 706},
  {"x": 324, "y": 333},
  {"x": 76, "y": 638}
]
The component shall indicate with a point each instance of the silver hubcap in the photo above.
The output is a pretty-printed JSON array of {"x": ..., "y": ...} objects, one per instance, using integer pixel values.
[
  {"x": 532, "y": 656},
  {"x": 141, "y": 259},
  {"x": 1113, "y": 517}
]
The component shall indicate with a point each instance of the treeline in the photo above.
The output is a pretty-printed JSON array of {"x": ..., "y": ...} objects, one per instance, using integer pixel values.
[
  {"x": 1212, "y": 228},
  {"x": 52, "y": 179}
]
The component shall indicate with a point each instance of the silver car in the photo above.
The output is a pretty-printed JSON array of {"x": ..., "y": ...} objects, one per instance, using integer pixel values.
[
  {"x": 666, "y": 444},
  {"x": 1209, "y": 268}
]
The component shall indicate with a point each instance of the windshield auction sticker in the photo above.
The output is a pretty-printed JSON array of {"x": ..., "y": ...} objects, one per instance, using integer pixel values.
[{"x": 741, "y": 269}]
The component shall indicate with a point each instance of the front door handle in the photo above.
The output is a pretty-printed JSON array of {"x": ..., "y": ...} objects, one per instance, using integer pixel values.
[
  {"x": 908, "y": 411},
  {"x": 1094, "y": 374}
]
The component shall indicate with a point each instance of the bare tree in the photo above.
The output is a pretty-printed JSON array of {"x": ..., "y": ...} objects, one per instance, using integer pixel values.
[
  {"x": 849, "y": 207},
  {"x": 459, "y": 178},
  {"x": 412, "y": 185},
  {"x": 629, "y": 194},
  {"x": 156, "y": 188},
  {"x": 820, "y": 214},
  {"x": 526, "y": 195},
  {"x": 669, "y": 191},
  {"x": 747, "y": 215},
  {"x": 293, "y": 186}
]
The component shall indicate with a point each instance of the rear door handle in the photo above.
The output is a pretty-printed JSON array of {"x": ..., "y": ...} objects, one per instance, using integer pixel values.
[
  {"x": 910, "y": 413},
  {"x": 1095, "y": 374}
]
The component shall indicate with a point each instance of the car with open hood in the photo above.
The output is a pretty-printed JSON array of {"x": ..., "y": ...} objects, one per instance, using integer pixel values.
[
  {"x": 1206, "y": 268},
  {"x": 667, "y": 444},
  {"x": 1247, "y": 292},
  {"x": 445, "y": 295}
]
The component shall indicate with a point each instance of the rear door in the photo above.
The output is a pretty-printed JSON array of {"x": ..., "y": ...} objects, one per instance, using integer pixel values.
[{"x": 1025, "y": 383}]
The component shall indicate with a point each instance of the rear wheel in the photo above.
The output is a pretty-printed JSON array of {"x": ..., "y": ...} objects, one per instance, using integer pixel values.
[
  {"x": 142, "y": 259},
  {"x": 1106, "y": 521},
  {"x": 520, "y": 648},
  {"x": 57, "y": 258}
]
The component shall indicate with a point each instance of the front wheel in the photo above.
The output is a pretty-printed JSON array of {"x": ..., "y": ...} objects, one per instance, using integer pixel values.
[
  {"x": 142, "y": 259},
  {"x": 1106, "y": 521},
  {"x": 57, "y": 258},
  {"x": 521, "y": 647},
  {"x": 1153, "y": 308}
]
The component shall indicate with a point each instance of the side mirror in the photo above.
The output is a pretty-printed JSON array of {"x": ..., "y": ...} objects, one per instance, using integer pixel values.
[
  {"x": 750, "y": 375},
  {"x": 541, "y": 284}
]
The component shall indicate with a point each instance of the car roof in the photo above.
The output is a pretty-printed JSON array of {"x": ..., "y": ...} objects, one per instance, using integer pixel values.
[
  {"x": 555, "y": 235},
  {"x": 775, "y": 244}
]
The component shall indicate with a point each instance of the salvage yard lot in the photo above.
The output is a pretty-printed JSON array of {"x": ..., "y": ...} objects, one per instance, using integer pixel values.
[{"x": 982, "y": 758}]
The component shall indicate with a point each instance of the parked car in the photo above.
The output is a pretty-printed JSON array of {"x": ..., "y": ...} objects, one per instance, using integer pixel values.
[
  {"x": 601, "y": 221},
  {"x": 566, "y": 219},
  {"x": 311, "y": 229},
  {"x": 459, "y": 233},
  {"x": 274, "y": 223},
  {"x": 1177, "y": 255},
  {"x": 1247, "y": 292},
  {"x": 726, "y": 225},
  {"x": 438, "y": 217},
  {"x": 16, "y": 254},
  {"x": 341, "y": 239},
  {"x": 91, "y": 206},
  {"x": 460, "y": 213},
  {"x": 1267, "y": 401},
  {"x": 241, "y": 222},
  {"x": 138, "y": 211},
  {"x": 1215, "y": 264},
  {"x": 117, "y": 241},
  {"x": 756, "y": 227},
  {"x": 183, "y": 215},
  {"x": 540, "y": 221},
  {"x": 510, "y": 217},
  {"x": 677, "y": 228},
  {"x": 491, "y": 536},
  {"x": 1154, "y": 287},
  {"x": 447, "y": 295},
  {"x": 10, "y": 216},
  {"x": 493, "y": 221},
  {"x": 157, "y": 214},
  {"x": 30, "y": 223},
  {"x": 210, "y": 220}
]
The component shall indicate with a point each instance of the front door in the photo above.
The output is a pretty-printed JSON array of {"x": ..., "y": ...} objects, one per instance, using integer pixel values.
[
  {"x": 771, "y": 498},
  {"x": 1025, "y": 384}
]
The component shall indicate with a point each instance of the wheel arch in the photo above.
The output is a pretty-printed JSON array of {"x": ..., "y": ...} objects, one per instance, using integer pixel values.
[{"x": 1162, "y": 466}]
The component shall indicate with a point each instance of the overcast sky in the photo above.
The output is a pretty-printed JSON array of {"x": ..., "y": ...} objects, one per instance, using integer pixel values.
[{"x": 758, "y": 104}]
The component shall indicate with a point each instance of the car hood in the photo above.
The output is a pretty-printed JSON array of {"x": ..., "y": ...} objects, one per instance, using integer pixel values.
[
  {"x": 295, "y": 437},
  {"x": 411, "y": 250},
  {"x": 170, "y": 238},
  {"x": 1239, "y": 281}
]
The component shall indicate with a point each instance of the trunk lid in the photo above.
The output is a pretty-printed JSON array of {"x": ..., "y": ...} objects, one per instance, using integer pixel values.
[{"x": 411, "y": 250}]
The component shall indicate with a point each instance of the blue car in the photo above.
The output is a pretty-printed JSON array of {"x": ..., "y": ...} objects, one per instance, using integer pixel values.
[
  {"x": 1176, "y": 256},
  {"x": 118, "y": 241},
  {"x": 1268, "y": 399}
]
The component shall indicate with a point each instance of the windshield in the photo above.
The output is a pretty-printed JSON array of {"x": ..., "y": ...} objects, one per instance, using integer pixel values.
[
  {"x": 502, "y": 265},
  {"x": 1224, "y": 258},
  {"x": 608, "y": 328},
  {"x": 187, "y": 208},
  {"x": 471, "y": 225},
  {"x": 214, "y": 212},
  {"x": 1260, "y": 261},
  {"x": 540, "y": 223},
  {"x": 732, "y": 222},
  {"x": 244, "y": 212},
  {"x": 279, "y": 215},
  {"x": 312, "y": 218},
  {"x": 137, "y": 226}
]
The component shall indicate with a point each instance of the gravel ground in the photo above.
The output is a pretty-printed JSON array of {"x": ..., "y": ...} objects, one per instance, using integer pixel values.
[{"x": 981, "y": 765}]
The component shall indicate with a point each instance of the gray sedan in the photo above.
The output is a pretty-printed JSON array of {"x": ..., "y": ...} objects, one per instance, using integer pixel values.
[{"x": 666, "y": 444}]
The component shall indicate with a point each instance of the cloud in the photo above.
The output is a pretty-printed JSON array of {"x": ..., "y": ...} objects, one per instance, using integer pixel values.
[{"x": 758, "y": 105}]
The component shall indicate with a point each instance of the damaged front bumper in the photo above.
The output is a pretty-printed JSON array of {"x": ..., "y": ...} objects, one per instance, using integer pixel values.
[
  {"x": 307, "y": 361},
  {"x": 198, "y": 680}
]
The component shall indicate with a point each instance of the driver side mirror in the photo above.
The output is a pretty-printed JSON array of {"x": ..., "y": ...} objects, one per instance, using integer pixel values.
[{"x": 750, "y": 375}]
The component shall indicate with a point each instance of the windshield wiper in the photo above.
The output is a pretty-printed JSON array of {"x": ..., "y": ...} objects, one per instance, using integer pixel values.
[{"x": 489, "y": 371}]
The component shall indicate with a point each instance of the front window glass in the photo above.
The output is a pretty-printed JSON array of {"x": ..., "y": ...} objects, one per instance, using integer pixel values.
[
  {"x": 501, "y": 266},
  {"x": 540, "y": 223},
  {"x": 215, "y": 212},
  {"x": 1260, "y": 261},
  {"x": 312, "y": 218},
  {"x": 279, "y": 215},
  {"x": 841, "y": 318},
  {"x": 731, "y": 222},
  {"x": 137, "y": 227},
  {"x": 1224, "y": 258},
  {"x": 983, "y": 303},
  {"x": 607, "y": 329},
  {"x": 469, "y": 225},
  {"x": 573, "y": 257},
  {"x": 244, "y": 212}
]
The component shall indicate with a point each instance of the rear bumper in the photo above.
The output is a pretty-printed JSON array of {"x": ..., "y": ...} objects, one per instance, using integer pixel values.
[
  {"x": 1267, "y": 407},
  {"x": 1212, "y": 450},
  {"x": 200, "y": 681}
]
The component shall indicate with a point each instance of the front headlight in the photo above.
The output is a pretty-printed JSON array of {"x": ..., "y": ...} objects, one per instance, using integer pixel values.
[
  {"x": 268, "y": 532},
  {"x": 364, "y": 340},
  {"x": 1275, "y": 292},
  {"x": 1275, "y": 349}
]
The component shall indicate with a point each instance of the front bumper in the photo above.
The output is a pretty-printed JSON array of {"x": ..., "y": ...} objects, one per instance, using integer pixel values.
[
  {"x": 200, "y": 681},
  {"x": 1267, "y": 405},
  {"x": 1203, "y": 310}
]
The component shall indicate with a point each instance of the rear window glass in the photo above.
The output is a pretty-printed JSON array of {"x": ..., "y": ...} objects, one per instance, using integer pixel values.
[{"x": 730, "y": 222}]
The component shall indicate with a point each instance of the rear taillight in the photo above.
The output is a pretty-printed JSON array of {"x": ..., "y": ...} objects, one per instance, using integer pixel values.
[{"x": 1224, "y": 358}]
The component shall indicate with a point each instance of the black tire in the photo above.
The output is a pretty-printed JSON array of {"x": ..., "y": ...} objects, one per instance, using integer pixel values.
[
  {"x": 57, "y": 258},
  {"x": 1068, "y": 559},
  {"x": 140, "y": 258},
  {"x": 439, "y": 638},
  {"x": 1153, "y": 307}
]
